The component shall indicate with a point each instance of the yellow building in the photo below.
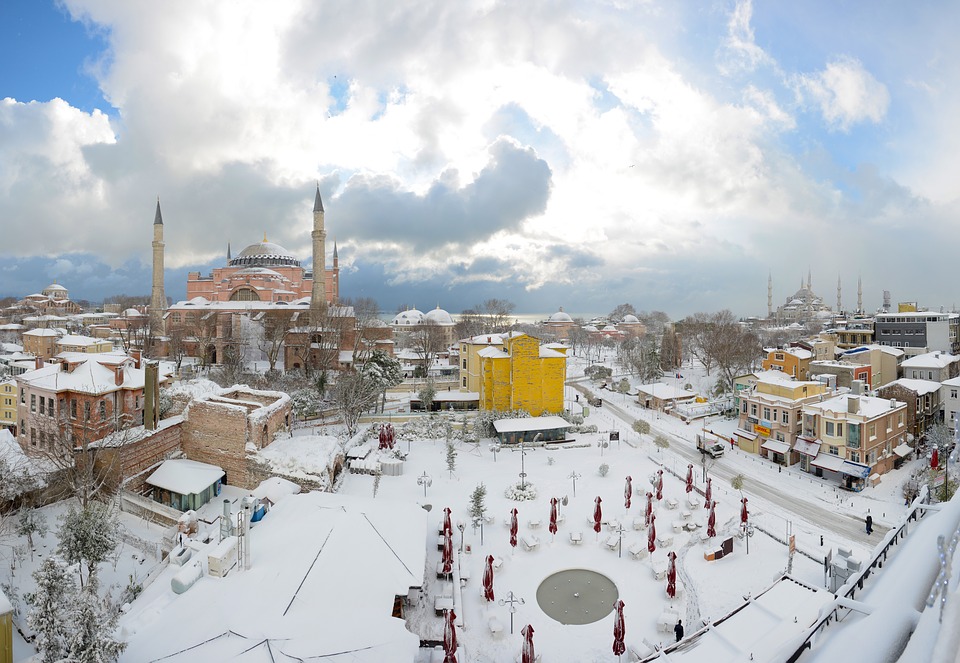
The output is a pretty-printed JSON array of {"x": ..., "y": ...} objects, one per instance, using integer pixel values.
[
  {"x": 41, "y": 343},
  {"x": 513, "y": 372},
  {"x": 791, "y": 361},
  {"x": 84, "y": 344},
  {"x": 771, "y": 415},
  {"x": 8, "y": 404}
]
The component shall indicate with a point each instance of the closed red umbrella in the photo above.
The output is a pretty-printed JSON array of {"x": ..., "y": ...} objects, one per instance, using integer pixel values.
[
  {"x": 488, "y": 579},
  {"x": 513, "y": 528},
  {"x": 450, "y": 638},
  {"x": 935, "y": 459},
  {"x": 659, "y": 484},
  {"x": 652, "y": 534},
  {"x": 553, "y": 515},
  {"x": 597, "y": 515},
  {"x": 708, "y": 494},
  {"x": 689, "y": 478},
  {"x": 447, "y": 526},
  {"x": 649, "y": 512},
  {"x": 744, "y": 514},
  {"x": 712, "y": 520},
  {"x": 672, "y": 574},
  {"x": 391, "y": 437},
  {"x": 383, "y": 437},
  {"x": 628, "y": 493},
  {"x": 447, "y": 553},
  {"x": 527, "y": 653},
  {"x": 619, "y": 630}
]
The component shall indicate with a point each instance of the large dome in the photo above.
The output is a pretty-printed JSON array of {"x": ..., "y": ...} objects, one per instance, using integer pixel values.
[
  {"x": 407, "y": 318},
  {"x": 264, "y": 254},
  {"x": 438, "y": 317},
  {"x": 560, "y": 317}
]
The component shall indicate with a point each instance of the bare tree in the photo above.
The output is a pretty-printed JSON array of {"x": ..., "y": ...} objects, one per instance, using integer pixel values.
[
  {"x": 276, "y": 327},
  {"x": 719, "y": 339},
  {"x": 621, "y": 311},
  {"x": 470, "y": 324},
  {"x": 429, "y": 339},
  {"x": 498, "y": 313}
]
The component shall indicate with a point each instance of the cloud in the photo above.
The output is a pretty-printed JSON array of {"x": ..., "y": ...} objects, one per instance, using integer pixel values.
[
  {"x": 846, "y": 93},
  {"x": 739, "y": 52}
]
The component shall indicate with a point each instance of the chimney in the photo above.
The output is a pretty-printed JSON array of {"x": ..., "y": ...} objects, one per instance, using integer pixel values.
[
  {"x": 893, "y": 404},
  {"x": 118, "y": 375},
  {"x": 137, "y": 355},
  {"x": 38, "y": 363},
  {"x": 853, "y": 404}
]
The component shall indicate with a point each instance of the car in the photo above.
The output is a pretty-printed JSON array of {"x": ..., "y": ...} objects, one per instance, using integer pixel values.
[{"x": 715, "y": 450}]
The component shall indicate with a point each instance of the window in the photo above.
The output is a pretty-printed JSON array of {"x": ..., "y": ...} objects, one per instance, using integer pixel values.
[
  {"x": 873, "y": 431},
  {"x": 833, "y": 451},
  {"x": 464, "y": 364},
  {"x": 779, "y": 436},
  {"x": 50, "y": 407},
  {"x": 855, "y": 456},
  {"x": 73, "y": 408},
  {"x": 23, "y": 398},
  {"x": 839, "y": 429},
  {"x": 103, "y": 410},
  {"x": 953, "y": 393},
  {"x": 33, "y": 402},
  {"x": 766, "y": 413},
  {"x": 778, "y": 356},
  {"x": 785, "y": 417},
  {"x": 829, "y": 428},
  {"x": 43, "y": 409},
  {"x": 33, "y": 437},
  {"x": 464, "y": 382},
  {"x": 743, "y": 407},
  {"x": 900, "y": 420},
  {"x": 86, "y": 411},
  {"x": 753, "y": 409},
  {"x": 929, "y": 375}
]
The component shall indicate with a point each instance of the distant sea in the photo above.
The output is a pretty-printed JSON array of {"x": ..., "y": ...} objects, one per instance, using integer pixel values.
[{"x": 521, "y": 318}]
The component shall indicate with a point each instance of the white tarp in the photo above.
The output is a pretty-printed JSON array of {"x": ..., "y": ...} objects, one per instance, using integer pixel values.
[{"x": 186, "y": 477}]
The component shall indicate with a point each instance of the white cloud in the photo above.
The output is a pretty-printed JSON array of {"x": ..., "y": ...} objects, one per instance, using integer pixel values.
[
  {"x": 740, "y": 52},
  {"x": 846, "y": 93}
]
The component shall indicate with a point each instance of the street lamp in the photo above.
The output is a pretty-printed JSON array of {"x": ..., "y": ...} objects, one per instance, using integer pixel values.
[
  {"x": 512, "y": 599},
  {"x": 523, "y": 474},
  {"x": 748, "y": 530},
  {"x": 425, "y": 481},
  {"x": 460, "y": 526},
  {"x": 494, "y": 449},
  {"x": 620, "y": 530},
  {"x": 573, "y": 475}
]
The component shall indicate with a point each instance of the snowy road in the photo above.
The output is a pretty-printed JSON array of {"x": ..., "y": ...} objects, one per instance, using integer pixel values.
[{"x": 842, "y": 525}]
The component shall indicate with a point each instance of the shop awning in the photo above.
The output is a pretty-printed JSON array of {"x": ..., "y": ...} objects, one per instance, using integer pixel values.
[
  {"x": 903, "y": 450},
  {"x": 745, "y": 434},
  {"x": 807, "y": 447},
  {"x": 776, "y": 446},
  {"x": 828, "y": 462},
  {"x": 855, "y": 469}
]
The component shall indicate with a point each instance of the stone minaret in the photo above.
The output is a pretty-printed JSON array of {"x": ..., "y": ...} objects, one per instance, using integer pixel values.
[
  {"x": 158, "y": 300},
  {"x": 769, "y": 295},
  {"x": 839, "y": 305},
  {"x": 318, "y": 297},
  {"x": 809, "y": 280}
]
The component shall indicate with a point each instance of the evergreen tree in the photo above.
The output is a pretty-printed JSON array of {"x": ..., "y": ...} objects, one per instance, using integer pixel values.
[
  {"x": 451, "y": 457},
  {"x": 93, "y": 626},
  {"x": 478, "y": 505},
  {"x": 29, "y": 523},
  {"x": 48, "y": 616},
  {"x": 88, "y": 536}
]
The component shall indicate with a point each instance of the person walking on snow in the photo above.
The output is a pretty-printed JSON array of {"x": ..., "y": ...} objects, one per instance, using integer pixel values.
[
  {"x": 678, "y": 629},
  {"x": 869, "y": 524}
]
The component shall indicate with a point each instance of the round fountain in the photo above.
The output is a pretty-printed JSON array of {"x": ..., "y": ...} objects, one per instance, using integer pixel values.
[{"x": 577, "y": 596}]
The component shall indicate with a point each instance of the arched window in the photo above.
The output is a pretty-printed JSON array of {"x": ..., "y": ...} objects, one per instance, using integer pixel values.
[{"x": 244, "y": 295}]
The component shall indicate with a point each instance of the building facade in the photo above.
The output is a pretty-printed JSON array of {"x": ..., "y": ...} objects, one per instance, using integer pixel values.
[
  {"x": 918, "y": 331},
  {"x": 773, "y": 410}
]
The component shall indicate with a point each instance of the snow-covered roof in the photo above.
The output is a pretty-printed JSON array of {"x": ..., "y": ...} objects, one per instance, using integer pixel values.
[
  {"x": 76, "y": 339},
  {"x": 665, "y": 392},
  {"x": 548, "y": 353},
  {"x": 325, "y": 571},
  {"x": 529, "y": 424},
  {"x": 828, "y": 462},
  {"x": 185, "y": 477},
  {"x": 275, "y": 489},
  {"x": 560, "y": 317},
  {"x": 630, "y": 319},
  {"x": 41, "y": 332},
  {"x": 807, "y": 446},
  {"x": 920, "y": 387},
  {"x": 438, "y": 317},
  {"x": 930, "y": 360},
  {"x": 492, "y": 353},
  {"x": 870, "y": 406},
  {"x": 408, "y": 318}
]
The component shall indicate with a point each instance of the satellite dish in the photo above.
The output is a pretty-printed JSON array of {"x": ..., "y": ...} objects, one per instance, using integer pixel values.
[{"x": 427, "y": 507}]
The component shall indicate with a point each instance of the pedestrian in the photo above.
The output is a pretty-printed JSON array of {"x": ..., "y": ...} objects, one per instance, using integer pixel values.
[
  {"x": 869, "y": 524},
  {"x": 678, "y": 629}
]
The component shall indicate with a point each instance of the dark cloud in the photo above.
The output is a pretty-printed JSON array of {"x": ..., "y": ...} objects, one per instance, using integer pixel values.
[{"x": 513, "y": 186}]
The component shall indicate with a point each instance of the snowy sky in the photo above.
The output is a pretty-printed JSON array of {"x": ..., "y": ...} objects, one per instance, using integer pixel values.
[{"x": 581, "y": 154}]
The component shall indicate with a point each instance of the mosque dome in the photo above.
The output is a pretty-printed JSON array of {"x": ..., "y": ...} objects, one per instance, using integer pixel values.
[
  {"x": 264, "y": 254},
  {"x": 55, "y": 291},
  {"x": 630, "y": 319},
  {"x": 407, "y": 318},
  {"x": 438, "y": 317},
  {"x": 560, "y": 317}
]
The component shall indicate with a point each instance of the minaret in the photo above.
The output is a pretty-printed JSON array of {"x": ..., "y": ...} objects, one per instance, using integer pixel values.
[
  {"x": 228, "y": 251},
  {"x": 839, "y": 305},
  {"x": 318, "y": 296},
  {"x": 769, "y": 295},
  {"x": 859, "y": 295},
  {"x": 158, "y": 300},
  {"x": 809, "y": 280}
]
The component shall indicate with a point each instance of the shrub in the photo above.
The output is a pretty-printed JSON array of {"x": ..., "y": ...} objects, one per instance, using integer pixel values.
[
  {"x": 641, "y": 426},
  {"x": 517, "y": 494},
  {"x": 604, "y": 468}
]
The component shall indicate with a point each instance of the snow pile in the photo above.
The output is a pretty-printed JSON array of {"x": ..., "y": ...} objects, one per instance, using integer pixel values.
[{"x": 304, "y": 456}]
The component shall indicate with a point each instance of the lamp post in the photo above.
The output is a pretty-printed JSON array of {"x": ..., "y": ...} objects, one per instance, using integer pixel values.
[
  {"x": 747, "y": 533},
  {"x": 523, "y": 474},
  {"x": 425, "y": 481},
  {"x": 460, "y": 526},
  {"x": 512, "y": 599},
  {"x": 620, "y": 531},
  {"x": 573, "y": 475},
  {"x": 494, "y": 449}
]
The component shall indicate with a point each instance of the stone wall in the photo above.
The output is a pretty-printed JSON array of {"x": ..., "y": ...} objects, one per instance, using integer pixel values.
[
  {"x": 140, "y": 457},
  {"x": 215, "y": 433}
]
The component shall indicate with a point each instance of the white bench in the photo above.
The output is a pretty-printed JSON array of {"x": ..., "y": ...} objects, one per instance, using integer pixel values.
[
  {"x": 530, "y": 542},
  {"x": 664, "y": 540},
  {"x": 576, "y": 538},
  {"x": 667, "y": 620},
  {"x": 638, "y": 550},
  {"x": 495, "y": 626},
  {"x": 612, "y": 542}
]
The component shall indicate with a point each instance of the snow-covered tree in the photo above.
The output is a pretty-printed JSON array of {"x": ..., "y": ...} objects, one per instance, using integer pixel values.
[
  {"x": 478, "y": 506},
  {"x": 451, "y": 457},
  {"x": 93, "y": 625},
  {"x": 88, "y": 536},
  {"x": 384, "y": 371},
  {"x": 31, "y": 522},
  {"x": 426, "y": 394},
  {"x": 48, "y": 616}
]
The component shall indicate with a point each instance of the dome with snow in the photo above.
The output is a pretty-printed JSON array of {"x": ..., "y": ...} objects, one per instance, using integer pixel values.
[
  {"x": 132, "y": 313},
  {"x": 438, "y": 317},
  {"x": 631, "y": 319},
  {"x": 55, "y": 291},
  {"x": 264, "y": 254},
  {"x": 560, "y": 316},
  {"x": 407, "y": 318}
]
